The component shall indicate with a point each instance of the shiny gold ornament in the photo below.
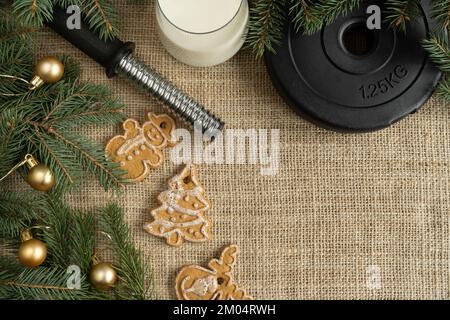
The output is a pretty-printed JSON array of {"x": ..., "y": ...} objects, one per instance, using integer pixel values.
[
  {"x": 48, "y": 70},
  {"x": 40, "y": 177},
  {"x": 102, "y": 275},
  {"x": 32, "y": 252}
]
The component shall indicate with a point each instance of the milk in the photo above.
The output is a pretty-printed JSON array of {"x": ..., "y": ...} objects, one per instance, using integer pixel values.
[{"x": 202, "y": 32}]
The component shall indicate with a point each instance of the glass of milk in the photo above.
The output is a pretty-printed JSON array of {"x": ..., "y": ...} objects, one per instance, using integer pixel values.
[{"x": 202, "y": 32}]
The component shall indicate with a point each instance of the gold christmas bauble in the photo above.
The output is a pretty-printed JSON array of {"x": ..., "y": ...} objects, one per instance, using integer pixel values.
[
  {"x": 103, "y": 276},
  {"x": 32, "y": 253},
  {"x": 41, "y": 178},
  {"x": 49, "y": 69}
]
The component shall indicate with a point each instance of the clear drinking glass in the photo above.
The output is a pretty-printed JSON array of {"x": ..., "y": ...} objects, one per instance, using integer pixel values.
[{"x": 202, "y": 32}]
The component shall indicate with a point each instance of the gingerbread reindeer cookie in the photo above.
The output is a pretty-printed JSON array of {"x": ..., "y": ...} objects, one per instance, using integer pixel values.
[
  {"x": 215, "y": 283},
  {"x": 140, "y": 148},
  {"x": 181, "y": 216}
]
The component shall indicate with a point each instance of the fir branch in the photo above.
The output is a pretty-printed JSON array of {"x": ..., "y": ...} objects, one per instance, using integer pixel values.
[
  {"x": 400, "y": 12},
  {"x": 12, "y": 128},
  {"x": 93, "y": 159},
  {"x": 100, "y": 14},
  {"x": 101, "y": 17},
  {"x": 15, "y": 57},
  {"x": 18, "y": 211},
  {"x": 72, "y": 69},
  {"x": 83, "y": 104},
  {"x": 67, "y": 3},
  {"x": 129, "y": 264},
  {"x": 304, "y": 15},
  {"x": 267, "y": 19},
  {"x": 33, "y": 12},
  {"x": 437, "y": 47},
  {"x": 70, "y": 237},
  {"x": 42, "y": 283},
  {"x": 53, "y": 153},
  {"x": 14, "y": 28},
  {"x": 51, "y": 114},
  {"x": 443, "y": 90},
  {"x": 441, "y": 12},
  {"x": 326, "y": 11}
]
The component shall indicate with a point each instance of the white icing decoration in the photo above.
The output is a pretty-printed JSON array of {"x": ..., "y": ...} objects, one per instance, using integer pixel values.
[
  {"x": 173, "y": 196},
  {"x": 137, "y": 142},
  {"x": 172, "y": 227},
  {"x": 202, "y": 286},
  {"x": 209, "y": 283}
]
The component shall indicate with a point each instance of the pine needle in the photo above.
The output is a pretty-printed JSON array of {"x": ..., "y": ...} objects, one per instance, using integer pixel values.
[
  {"x": 443, "y": 90},
  {"x": 267, "y": 18},
  {"x": 400, "y": 12},
  {"x": 131, "y": 268},
  {"x": 101, "y": 17},
  {"x": 438, "y": 50},
  {"x": 441, "y": 12}
]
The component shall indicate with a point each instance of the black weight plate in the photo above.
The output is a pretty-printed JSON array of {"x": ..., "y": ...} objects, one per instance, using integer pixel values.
[{"x": 355, "y": 91}]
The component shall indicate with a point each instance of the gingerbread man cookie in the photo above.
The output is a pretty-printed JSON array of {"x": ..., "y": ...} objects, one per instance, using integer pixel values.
[
  {"x": 140, "y": 148},
  {"x": 181, "y": 216},
  {"x": 215, "y": 283}
]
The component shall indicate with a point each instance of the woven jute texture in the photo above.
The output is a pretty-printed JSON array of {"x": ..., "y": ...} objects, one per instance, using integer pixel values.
[{"x": 347, "y": 216}]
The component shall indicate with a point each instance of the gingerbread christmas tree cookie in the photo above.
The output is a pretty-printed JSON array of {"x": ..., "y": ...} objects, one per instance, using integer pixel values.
[
  {"x": 215, "y": 283},
  {"x": 140, "y": 148},
  {"x": 181, "y": 216}
]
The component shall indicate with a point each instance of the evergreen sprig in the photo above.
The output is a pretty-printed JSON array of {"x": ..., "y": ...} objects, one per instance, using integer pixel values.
[
  {"x": 33, "y": 12},
  {"x": 42, "y": 283},
  {"x": 267, "y": 19},
  {"x": 70, "y": 237},
  {"x": 266, "y": 24},
  {"x": 131, "y": 269},
  {"x": 304, "y": 15},
  {"x": 441, "y": 11},
  {"x": 18, "y": 211},
  {"x": 400, "y": 12},
  {"x": 100, "y": 15},
  {"x": 443, "y": 90},
  {"x": 438, "y": 51},
  {"x": 437, "y": 46},
  {"x": 322, "y": 13},
  {"x": 45, "y": 122}
]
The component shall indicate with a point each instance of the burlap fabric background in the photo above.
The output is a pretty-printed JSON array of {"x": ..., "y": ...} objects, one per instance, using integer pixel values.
[{"x": 339, "y": 204}]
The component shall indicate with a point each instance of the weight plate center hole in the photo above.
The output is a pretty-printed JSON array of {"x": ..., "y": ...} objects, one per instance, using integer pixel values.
[{"x": 357, "y": 40}]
